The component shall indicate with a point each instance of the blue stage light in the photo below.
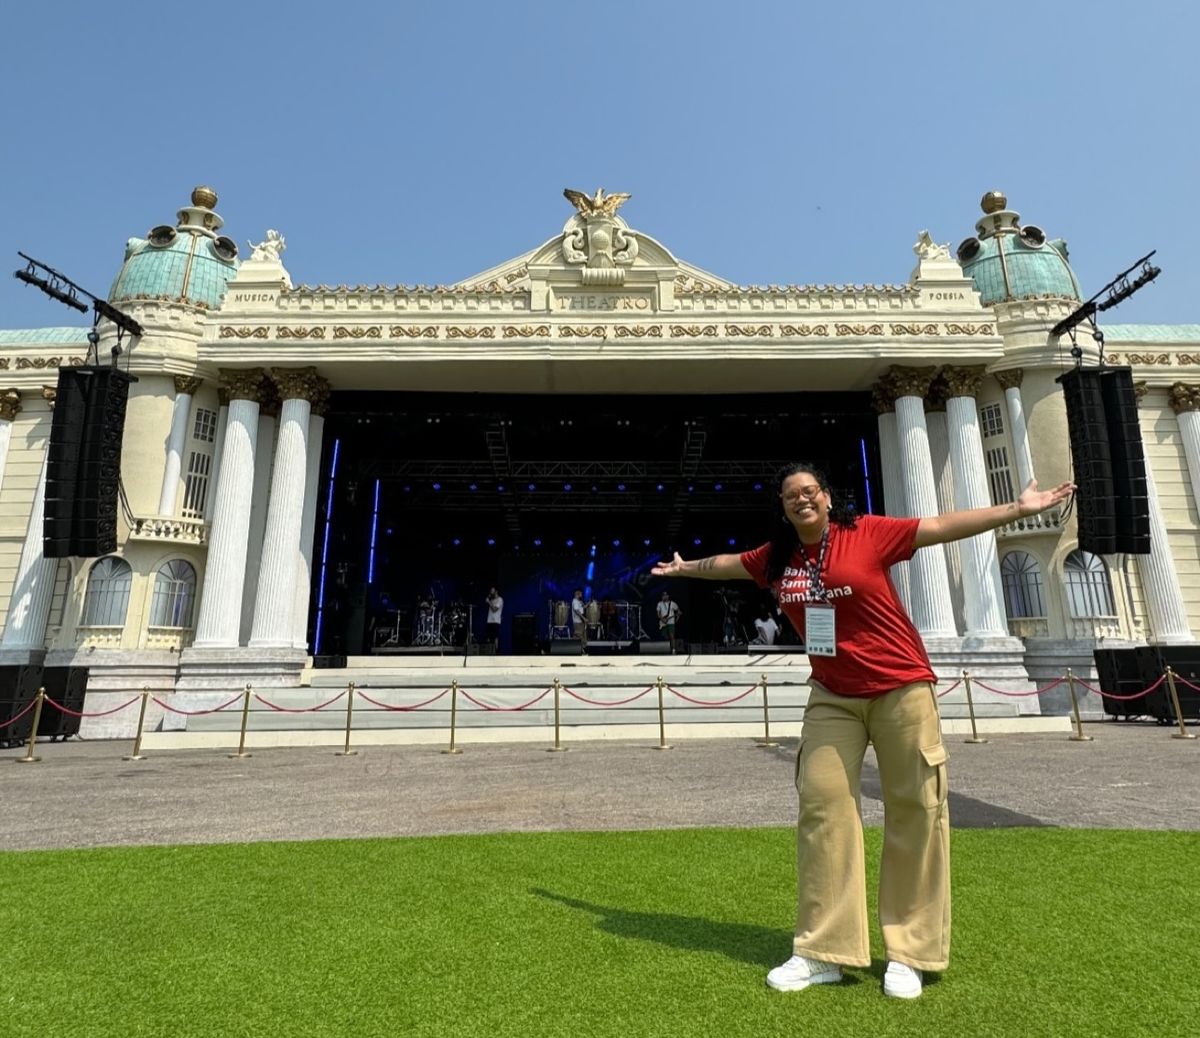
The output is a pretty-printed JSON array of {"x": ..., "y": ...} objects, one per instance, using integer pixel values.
[
  {"x": 695, "y": 540},
  {"x": 566, "y": 486},
  {"x": 407, "y": 489},
  {"x": 491, "y": 542},
  {"x": 616, "y": 542},
  {"x": 646, "y": 541},
  {"x": 500, "y": 488},
  {"x": 690, "y": 488},
  {"x": 716, "y": 486},
  {"x": 473, "y": 487},
  {"x": 659, "y": 487},
  {"x": 621, "y": 487},
  {"x": 437, "y": 486},
  {"x": 732, "y": 541},
  {"x": 533, "y": 486},
  {"x": 457, "y": 541},
  {"x": 758, "y": 486},
  {"x": 374, "y": 529},
  {"x": 570, "y": 543},
  {"x": 325, "y": 547},
  {"x": 537, "y": 542}
]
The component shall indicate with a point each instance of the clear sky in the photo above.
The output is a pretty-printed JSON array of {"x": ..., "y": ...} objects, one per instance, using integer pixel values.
[{"x": 767, "y": 142}]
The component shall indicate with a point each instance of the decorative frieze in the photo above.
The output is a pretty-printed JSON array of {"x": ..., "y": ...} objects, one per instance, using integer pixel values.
[
  {"x": 411, "y": 331},
  {"x": 693, "y": 330},
  {"x": 858, "y": 329},
  {"x": 227, "y": 332},
  {"x": 583, "y": 331},
  {"x": 315, "y": 332},
  {"x": 914, "y": 329},
  {"x": 10, "y": 404},
  {"x": 481, "y": 331},
  {"x": 1010, "y": 379},
  {"x": 371, "y": 331},
  {"x": 756, "y": 331},
  {"x": 1184, "y": 397},
  {"x": 803, "y": 331},
  {"x": 38, "y": 363},
  {"x": 638, "y": 331},
  {"x": 962, "y": 381},
  {"x": 525, "y": 331},
  {"x": 188, "y": 384},
  {"x": 968, "y": 329},
  {"x": 243, "y": 383}
]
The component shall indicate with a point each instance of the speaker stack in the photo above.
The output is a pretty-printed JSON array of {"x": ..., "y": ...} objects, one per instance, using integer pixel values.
[
  {"x": 1111, "y": 498},
  {"x": 83, "y": 464}
]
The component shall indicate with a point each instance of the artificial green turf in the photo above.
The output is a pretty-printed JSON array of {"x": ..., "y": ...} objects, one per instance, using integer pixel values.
[{"x": 1056, "y": 932}]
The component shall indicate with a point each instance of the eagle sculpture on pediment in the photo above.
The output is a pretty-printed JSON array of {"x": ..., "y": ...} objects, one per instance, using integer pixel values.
[{"x": 598, "y": 204}]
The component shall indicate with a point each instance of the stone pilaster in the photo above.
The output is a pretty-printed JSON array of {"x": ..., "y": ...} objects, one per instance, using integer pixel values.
[
  {"x": 1185, "y": 402},
  {"x": 316, "y": 432},
  {"x": 10, "y": 407},
  {"x": 264, "y": 457},
  {"x": 185, "y": 389},
  {"x": 930, "y": 583},
  {"x": 893, "y": 487},
  {"x": 225, "y": 571},
  {"x": 1010, "y": 382},
  {"x": 218, "y": 448},
  {"x": 274, "y": 622}
]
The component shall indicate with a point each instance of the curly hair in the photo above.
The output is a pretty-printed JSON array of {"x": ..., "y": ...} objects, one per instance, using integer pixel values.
[{"x": 783, "y": 534}]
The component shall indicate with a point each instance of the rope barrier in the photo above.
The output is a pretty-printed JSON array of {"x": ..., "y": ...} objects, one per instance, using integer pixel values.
[
  {"x": 720, "y": 702},
  {"x": 197, "y": 713},
  {"x": 299, "y": 710},
  {"x": 14, "y": 720},
  {"x": 385, "y": 706},
  {"x": 99, "y": 713},
  {"x": 504, "y": 709},
  {"x": 1183, "y": 681},
  {"x": 1113, "y": 695},
  {"x": 597, "y": 702},
  {"x": 950, "y": 689},
  {"x": 1003, "y": 692}
]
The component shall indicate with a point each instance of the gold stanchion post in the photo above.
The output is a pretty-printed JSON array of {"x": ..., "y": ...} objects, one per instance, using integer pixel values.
[
  {"x": 241, "y": 750},
  {"x": 558, "y": 747},
  {"x": 1183, "y": 733},
  {"x": 966, "y": 676},
  {"x": 453, "y": 717},
  {"x": 345, "y": 751},
  {"x": 136, "y": 753},
  {"x": 1078, "y": 735},
  {"x": 662, "y": 724},
  {"x": 765, "y": 742},
  {"x": 29, "y": 758}
]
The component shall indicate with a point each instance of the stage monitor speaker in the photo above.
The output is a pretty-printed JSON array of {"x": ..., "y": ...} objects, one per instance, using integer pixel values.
[
  {"x": 566, "y": 647},
  {"x": 524, "y": 635},
  {"x": 1122, "y": 673},
  {"x": 646, "y": 648},
  {"x": 83, "y": 462},
  {"x": 1184, "y": 660},
  {"x": 330, "y": 660},
  {"x": 66, "y": 686},
  {"x": 18, "y": 687}
]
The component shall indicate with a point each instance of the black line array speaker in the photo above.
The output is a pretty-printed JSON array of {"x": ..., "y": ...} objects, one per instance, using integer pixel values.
[
  {"x": 1184, "y": 660},
  {"x": 524, "y": 635},
  {"x": 1110, "y": 468},
  {"x": 83, "y": 465},
  {"x": 1123, "y": 672},
  {"x": 18, "y": 686},
  {"x": 66, "y": 686}
]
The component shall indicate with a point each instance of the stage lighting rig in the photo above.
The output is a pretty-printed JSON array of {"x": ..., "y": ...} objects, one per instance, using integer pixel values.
[
  {"x": 1116, "y": 291},
  {"x": 58, "y": 286}
]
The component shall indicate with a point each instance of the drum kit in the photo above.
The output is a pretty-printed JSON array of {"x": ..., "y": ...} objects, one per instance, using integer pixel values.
[{"x": 430, "y": 623}]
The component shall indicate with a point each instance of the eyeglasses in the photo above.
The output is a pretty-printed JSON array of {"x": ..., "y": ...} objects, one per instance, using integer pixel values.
[{"x": 807, "y": 493}]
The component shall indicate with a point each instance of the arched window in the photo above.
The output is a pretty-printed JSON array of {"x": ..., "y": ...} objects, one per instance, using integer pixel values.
[
  {"x": 174, "y": 595},
  {"x": 1089, "y": 592},
  {"x": 107, "y": 597},
  {"x": 1021, "y": 577}
]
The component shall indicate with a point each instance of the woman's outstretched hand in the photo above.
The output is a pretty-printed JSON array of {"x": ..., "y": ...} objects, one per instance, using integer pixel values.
[
  {"x": 674, "y": 568},
  {"x": 1033, "y": 500}
]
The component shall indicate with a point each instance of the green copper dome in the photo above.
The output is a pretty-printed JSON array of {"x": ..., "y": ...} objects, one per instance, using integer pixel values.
[
  {"x": 1007, "y": 261},
  {"x": 188, "y": 263}
]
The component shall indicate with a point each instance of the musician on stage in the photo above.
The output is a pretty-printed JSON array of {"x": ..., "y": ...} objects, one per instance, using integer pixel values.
[
  {"x": 668, "y": 615},
  {"x": 495, "y": 607},
  {"x": 578, "y": 618}
]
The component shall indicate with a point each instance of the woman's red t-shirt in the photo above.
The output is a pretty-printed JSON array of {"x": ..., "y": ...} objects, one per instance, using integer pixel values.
[{"x": 878, "y": 648}]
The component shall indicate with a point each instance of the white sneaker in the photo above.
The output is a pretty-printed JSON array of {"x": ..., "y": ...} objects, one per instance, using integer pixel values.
[
  {"x": 798, "y": 973},
  {"x": 901, "y": 981}
]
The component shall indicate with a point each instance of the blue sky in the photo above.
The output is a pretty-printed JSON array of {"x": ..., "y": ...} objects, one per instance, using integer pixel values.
[{"x": 767, "y": 142}]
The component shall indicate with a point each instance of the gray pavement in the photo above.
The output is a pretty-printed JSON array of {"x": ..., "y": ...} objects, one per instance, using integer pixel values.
[{"x": 83, "y": 795}]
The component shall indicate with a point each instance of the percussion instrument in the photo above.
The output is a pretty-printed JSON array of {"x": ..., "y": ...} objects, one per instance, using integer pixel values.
[
  {"x": 562, "y": 613},
  {"x": 591, "y": 613}
]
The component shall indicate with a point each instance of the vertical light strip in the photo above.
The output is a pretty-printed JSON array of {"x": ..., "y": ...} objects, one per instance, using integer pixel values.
[
  {"x": 374, "y": 528},
  {"x": 866, "y": 474},
  {"x": 325, "y": 548}
]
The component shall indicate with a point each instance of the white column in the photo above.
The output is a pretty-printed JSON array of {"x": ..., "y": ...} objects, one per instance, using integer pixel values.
[
  {"x": 1166, "y": 612},
  {"x": 931, "y": 610},
  {"x": 33, "y": 588},
  {"x": 10, "y": 407},
  {"x": 893, "y": 495},
  {"x": 1010, "y": 381},
  {"x": 308, "y": 522},
  {"x": 218, "y": 447},
  {"x": 983, "y": 612},
  {"x": 943, "y": 484},
  {"x": 274, "y": 610},
  {"x": 184, "y": 389},
  {"x": 264, "y": 456},
  {"x": 225, "y": 571},
  {"x": 1185, "y": 400}
]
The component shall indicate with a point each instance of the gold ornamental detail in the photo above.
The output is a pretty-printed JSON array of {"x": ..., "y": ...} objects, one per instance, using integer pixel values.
[
  {"x": 883, "y": 397},
  {"x": 244, "y": 383},
  {"x": 39, "y": 363},
  {"x": 470, "y": 332},
  {"x": 1184, "y": 397},
  {"x": 315, "y": 332},
  {"x": 756, "y": 331},
  {"x": 371, "y": 331},
  {"x": 914, "y": 329},
  {"x": 962, "y": 381},
  {"x": 301, "y": 384},
  {"x": 858, "y": 329},
  {"x": 187, "y": 384},
  {"x": 583, "y": 331},
  {"x": 1147, "y": 358},
  {"x": 803, "y": 331},
  {"x": 1185, "y": 358},
  {"x": 693, "y": 331},
  {"x": 1010, "y": 379},
  {"x": 968, "y": 329},
  {"x": 910, "y": 381},
  {"x": 50, "y": 394},
  {"x": 525, "y": 331},
  {"x": 412, "y": 331},
  {"x": 10, "y": 404},
  {"x": 638, "y": 331},
  {"x": 243, "y": 333}
]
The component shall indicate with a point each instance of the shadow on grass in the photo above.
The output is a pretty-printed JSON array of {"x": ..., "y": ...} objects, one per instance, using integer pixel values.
[{"x": 756, "y": 945}]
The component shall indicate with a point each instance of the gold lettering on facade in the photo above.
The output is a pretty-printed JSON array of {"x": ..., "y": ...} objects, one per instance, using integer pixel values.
[{"x": 602, "y": 301}]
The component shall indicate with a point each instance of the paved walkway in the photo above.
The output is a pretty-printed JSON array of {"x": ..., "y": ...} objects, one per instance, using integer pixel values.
[{"x": 83, "y": 795}]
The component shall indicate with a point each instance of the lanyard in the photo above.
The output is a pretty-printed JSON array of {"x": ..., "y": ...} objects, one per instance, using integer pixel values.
[{"x": 815, "y": 583}]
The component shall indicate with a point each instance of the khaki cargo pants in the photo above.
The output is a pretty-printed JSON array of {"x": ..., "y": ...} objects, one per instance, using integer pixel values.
[{"x": 914, "y": 881}]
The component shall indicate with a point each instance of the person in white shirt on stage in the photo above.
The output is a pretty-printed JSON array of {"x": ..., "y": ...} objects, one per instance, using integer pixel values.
[
  {"x": 495, "y": 607},
  {"x": 668, "y": 616},
  {"x": 578, "y": 621},
  {"x": 767, "y": 629}
]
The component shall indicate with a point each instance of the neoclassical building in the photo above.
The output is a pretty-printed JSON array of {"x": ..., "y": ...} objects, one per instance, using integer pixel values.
[{"x": 225, "y": 452}]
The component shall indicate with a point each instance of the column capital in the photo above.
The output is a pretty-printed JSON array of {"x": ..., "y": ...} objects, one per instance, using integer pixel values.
[
  {"x": 883, "y": 399},
  {"x": 243, "y": 383},
  {"x": 935, "y": 399},
  {"x": 50, "y": 394},
  {"x": 910, "y": 381},
  {"x": 1184, "y": 397},
  {"x": 1010, "y": 379},
  {"x": 187, "y": 384},
  {"x": 10, "y": 404},
  {"x": 301, "y": 384},
  {"x": 962, "y": 380},
  {"x": 222, "y": 396},
  {"x": 1139, "y": 391}
]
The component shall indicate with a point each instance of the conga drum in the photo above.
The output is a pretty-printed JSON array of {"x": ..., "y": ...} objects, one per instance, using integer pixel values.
[
  {"x": 561, "y": 613},
  {"x": 591, "y": 613}
]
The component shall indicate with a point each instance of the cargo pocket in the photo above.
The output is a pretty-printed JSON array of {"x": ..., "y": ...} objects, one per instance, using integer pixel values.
[
  {"x": 933, "y": 786},
  {"x": 799, "y": 759}
]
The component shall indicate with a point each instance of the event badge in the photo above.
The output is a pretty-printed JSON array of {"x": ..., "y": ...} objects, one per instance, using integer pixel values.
[{"x": 820, "y": 635}]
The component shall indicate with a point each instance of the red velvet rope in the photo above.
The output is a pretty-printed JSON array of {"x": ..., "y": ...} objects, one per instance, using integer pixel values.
[
  {"x": 1183, "y": 681},
  {"x": 720, "y": 702},
  {"x": 1002, "y": 692},
  {"x": 385, "y": 706},
  {"x": 299, "y": 710},
  {"x": 504, "y": 709},
  {"x": 1111, "y": 695},
  {"x": 99, "y": 713},
  {"x": 597, "y": 702},
  {"x": 197, "y": 713},
  {"x": 14, "y": 720},
  {"x": 950, "y": 689}
]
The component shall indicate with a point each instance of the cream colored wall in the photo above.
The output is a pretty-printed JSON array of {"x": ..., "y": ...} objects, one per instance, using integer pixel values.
[
  {"x": 144, "y": 450},
  {"x": 27, "y": 448}
]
